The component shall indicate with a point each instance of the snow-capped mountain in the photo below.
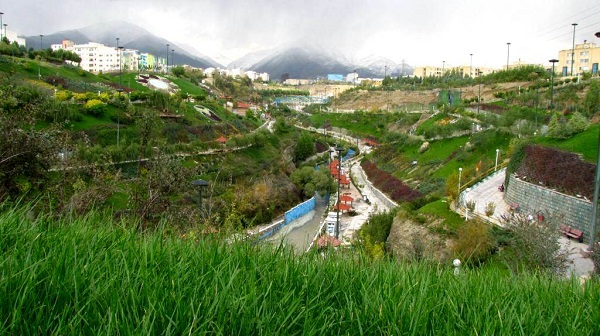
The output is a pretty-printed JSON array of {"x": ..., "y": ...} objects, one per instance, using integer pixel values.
[{"x": 304, "y": 60}]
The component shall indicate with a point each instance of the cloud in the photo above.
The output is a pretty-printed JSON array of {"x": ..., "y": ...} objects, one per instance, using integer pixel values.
[{"x": 422, "y": 32}]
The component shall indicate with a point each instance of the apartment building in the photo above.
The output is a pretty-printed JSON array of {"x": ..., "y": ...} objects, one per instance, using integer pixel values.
[
  {"x": 130, "y": 59},
  {"x": 14, "y": 37},
  {"x": 437, "y": 71},
  {"x": 586, "y": 57}
]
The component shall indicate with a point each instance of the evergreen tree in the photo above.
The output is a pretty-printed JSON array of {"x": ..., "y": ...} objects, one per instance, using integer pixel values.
[{"x": 591, "y": 103}]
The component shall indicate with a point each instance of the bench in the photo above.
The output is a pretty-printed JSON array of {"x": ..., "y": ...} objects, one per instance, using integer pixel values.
[{"x": 570, "y": 232}]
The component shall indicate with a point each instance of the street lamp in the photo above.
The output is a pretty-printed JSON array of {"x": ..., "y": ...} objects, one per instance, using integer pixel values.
[
  {"x": 167, "y": 68},
  {"x": 479, "y": 94},
  {"x": 595, "y": 198},
  {"x": 459, "y": 177},
  {"x": 496, "y": 165},
  {"x": 471, "y": 67},
  {"x": 172, "y": 58},
  {"x": 40, "y": 60},
  {"x": 337, "y": 224},
  {"x": 200, "y": 184},
  {"x": 573, "y": 49},
  {"x": 507, "y": 54},
  {"x": 119, "y": 90},
  {"x": 1, "y": 35},
  {"x": 443, "y": 67},
  {"x": 120, "y": 70},
  {"x": 553, "y": 61}
]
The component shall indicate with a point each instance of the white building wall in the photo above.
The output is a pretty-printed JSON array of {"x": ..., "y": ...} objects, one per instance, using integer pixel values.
[
  {"x": 13, "y": 36},
  {"x": 96, "y": 57}
]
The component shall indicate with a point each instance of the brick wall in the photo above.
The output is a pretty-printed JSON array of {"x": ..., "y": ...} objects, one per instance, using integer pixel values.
[{"x": 576, "y": 212}]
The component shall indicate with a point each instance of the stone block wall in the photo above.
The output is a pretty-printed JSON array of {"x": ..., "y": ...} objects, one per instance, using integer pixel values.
[{"x": 576, "y": 212}]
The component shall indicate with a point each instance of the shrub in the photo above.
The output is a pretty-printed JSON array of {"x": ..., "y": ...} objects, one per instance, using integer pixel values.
[
  {"x": 471, "y": 205},
  {"x": 63, "y": 95},
  {"x": 95, "y": 108},
  {"x": 490, "y": 208},
  {"x": 474, "y": 242}
]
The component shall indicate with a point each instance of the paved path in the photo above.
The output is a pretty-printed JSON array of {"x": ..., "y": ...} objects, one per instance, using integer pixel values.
[{"x": 487, "y": 191}]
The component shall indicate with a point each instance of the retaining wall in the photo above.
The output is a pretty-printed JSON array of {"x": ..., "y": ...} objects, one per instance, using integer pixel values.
[{"x": 576, "y": 211}]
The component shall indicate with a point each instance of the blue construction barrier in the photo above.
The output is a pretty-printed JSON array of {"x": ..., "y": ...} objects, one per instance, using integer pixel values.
[
  {"x": 300, "y": 210},
  {"x": 291, "y": 215},
  {"x": 348, "y": 155}
]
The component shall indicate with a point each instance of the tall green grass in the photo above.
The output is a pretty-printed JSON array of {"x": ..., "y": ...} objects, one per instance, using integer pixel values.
[{"x": 91, "y": 276}]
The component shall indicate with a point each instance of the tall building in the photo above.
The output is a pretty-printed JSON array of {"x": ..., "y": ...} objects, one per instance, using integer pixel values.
[
  {"x": 131, "y": 60},
  {"x": 585, "y": 59},
  {"x": 14, "y": 37}
]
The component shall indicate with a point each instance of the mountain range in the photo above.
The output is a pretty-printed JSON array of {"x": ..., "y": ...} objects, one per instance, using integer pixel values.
[
  {"x": 130, "y": 36},
  {"x": 300, "y": 59}
]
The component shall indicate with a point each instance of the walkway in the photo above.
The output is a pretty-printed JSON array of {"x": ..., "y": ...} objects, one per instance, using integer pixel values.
[{"x": 487, "y": 191}]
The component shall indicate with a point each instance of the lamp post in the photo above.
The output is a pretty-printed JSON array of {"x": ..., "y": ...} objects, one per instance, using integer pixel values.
[
  {"x": 167, "y": 68},
  {"x": 595, "y": 197},
  {"x": 1, "y": 35},
  {"x": 471, "y": 67},
  {"x": 119, "y": 90},
  {"x": 443, "y": 68},
  {"x": 459, "y": 177},
  {"x": 496, "y": 165},
  {"x": 200, "y": 184},
  {"x": 120, "y": 70},
  {"x": 40, "y": 60},
  {"x": 553, "y": 61},
  {"x": 172, "y": 58},
  {"x": 507, "y": 54},
  {"x": 337, "y": 224},
  {"x": 479, "y": 94},
  {"x": 573, "y": 49}
]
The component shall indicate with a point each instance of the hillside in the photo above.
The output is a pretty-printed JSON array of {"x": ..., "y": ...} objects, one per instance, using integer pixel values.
[{"x": 385, "y": 100}]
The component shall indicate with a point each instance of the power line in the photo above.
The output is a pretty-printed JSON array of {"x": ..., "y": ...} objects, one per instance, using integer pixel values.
[
  {"x": 562, "y": 23},
  {"x": 569, "y": 33}
]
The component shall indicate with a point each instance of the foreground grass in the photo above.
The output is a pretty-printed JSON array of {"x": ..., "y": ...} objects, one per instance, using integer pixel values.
[{"x": 88, "y": 276}]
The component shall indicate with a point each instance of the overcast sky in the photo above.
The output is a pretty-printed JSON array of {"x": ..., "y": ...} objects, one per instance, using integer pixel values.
[{"x": 422, "y": 32}]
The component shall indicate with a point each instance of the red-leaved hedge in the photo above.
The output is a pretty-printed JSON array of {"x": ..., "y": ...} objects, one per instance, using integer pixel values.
[
  {"x": 561, "y": 170},
  {"x": 384, "y": 181}
]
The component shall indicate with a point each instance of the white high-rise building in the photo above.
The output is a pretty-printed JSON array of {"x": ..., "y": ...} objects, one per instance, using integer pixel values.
[{"x": 96, "y": 57}]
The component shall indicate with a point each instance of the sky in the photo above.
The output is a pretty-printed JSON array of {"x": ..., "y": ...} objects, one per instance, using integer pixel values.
[{"x": 421, "y": 32}]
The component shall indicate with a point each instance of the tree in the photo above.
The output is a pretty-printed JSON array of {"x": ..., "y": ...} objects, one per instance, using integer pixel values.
[
  {"x": 577, "y": 124},
  {"x": 305, "y": 147},
  {"x": 474, "y": 242},
  {"x": 591, "y": 102},
  {"x": 310, "y": 180},
  {"x": 26, "y": 153},
  {"x": 556, "y": 127},
  {"x": 534, "y": 245},
  {"x": 178, "y": 71}
]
